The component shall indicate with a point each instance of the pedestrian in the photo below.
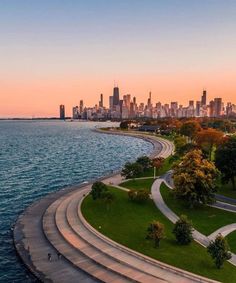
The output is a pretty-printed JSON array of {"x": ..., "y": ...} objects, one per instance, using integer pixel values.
[
  {"x": 58, "y": 256},
  {"x": 49, "y": 257}
]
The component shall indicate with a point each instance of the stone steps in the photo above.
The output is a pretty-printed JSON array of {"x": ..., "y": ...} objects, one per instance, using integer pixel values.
[
  {"x": 122, "y": 262},
  {"x": 69, "y": 252}
]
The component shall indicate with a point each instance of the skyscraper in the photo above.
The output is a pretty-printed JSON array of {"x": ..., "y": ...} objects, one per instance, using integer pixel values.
[
  {"x": 62, "y": 112},
  {"x": 217, "y": 107},
  {"x": 101, "y": 100},
  {"x": 204, "y": 98},
  {"x": 116, "y": 96},
  {"x": 81, "y": 106}
]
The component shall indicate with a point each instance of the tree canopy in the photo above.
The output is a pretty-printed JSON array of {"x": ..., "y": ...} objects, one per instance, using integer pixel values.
[
  {"x": 145, "y": 162},
  {"x": 207, "y": 139},
  {"x": 195, "y": 179},
  {"x": 225, "y": 160},
  {"x": 190, "y": 129},
  {"x": 132, "y": 170}
]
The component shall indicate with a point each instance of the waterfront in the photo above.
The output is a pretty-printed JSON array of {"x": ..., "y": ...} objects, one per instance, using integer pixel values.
[{"x": 41, "y": 157}]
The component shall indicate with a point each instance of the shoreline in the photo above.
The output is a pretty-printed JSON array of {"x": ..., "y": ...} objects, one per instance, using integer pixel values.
[{"x": 23, "y": 226}]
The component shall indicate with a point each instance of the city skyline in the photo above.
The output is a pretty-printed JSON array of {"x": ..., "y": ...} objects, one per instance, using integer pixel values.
[
  {"x": 60, "y": 52},
  {"x": 128, "y": 107}
]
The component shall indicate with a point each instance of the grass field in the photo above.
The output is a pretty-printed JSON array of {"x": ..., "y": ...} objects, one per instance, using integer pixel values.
[
  {"x": 231, "y": 238},
  {"x": 205, "y": 219},
  {"x": 126, "y": 223},
  {"x": 138, "y": 184}
]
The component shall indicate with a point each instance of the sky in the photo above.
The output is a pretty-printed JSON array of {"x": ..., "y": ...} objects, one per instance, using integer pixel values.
[{"x": 60, "y": 51}]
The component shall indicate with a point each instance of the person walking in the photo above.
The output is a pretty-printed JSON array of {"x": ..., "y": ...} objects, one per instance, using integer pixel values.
[{"x": 49, "y": 257}]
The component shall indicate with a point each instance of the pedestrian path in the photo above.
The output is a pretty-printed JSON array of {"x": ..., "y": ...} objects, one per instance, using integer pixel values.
[
  {"x": 55, "y": 225},
  {"x": 199, "y": 237}
]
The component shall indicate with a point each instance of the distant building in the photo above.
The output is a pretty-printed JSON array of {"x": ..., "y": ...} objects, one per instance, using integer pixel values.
[
  {"x": 218, "y": 107},
  {"x": 62, "y": 112},
  {"x": 116, "y": 96},
  {"x": 81, "y": 106},
  {"x": 75, "y": 112},
  {"x": 204, "y": 98},
  {"x": 101, "y": 101},
  {"x": 198, "y": 108},
  {"x": 111, "y": 102}
]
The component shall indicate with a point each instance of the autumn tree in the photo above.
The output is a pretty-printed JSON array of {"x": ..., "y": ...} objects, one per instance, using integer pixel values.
[
  {"x": 190, "y": 129},
  {"x": 183, "y": 230},
  {"x": 132, "y": 170},
  {"x": 219, "y": 251},
  {"x": 225, "y": 160},
  {"x": 157, "y": 164},
  {"x": 195, "y": 179},
  {"x": 156, "y": 232},
  {"x": 207, "y": 139}
]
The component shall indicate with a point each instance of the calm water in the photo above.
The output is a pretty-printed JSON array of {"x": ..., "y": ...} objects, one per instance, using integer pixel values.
[{"x": 40, "y": 157}]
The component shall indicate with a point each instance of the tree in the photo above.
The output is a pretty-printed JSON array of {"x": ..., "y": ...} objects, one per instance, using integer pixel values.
[
  {"x": 183, "y": 230},
  {"x": 157, "y": 164},
  {"x": 195, "y": 179},
  {"x": 180, "y": 142},
  {"x": 207, "y": 139},
  {"x": 190, "y": 129},
  {"x": 156, "y": 232},
  {"x": 219, "y": 251},
  {"x": 108, "y": 198},
  {"x": 145, "y": 162},
  {"x": 225, "y": 160},
  {"x": 98, "y": 189},
  {"x": 132, "y": 170},
  {"x": 139, "y": 196}
]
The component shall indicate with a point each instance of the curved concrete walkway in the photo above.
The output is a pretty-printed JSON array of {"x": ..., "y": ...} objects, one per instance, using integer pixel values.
[
  {"x": 199, "y": 237},
  {"x": 45, "y": 227}
]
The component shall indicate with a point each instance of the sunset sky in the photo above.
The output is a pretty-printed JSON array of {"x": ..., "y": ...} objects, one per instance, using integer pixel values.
[{"x": 58, "y": 52}]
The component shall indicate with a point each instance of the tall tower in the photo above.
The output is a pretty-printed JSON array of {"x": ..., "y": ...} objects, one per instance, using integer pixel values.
[
  {"x": 116, "y": 96},
  {"x": 204, "y": 98},
  {"x": 101, "y": 100},
  {"x": 62, "y": 112},
  {"x": 81, "y": 106}
]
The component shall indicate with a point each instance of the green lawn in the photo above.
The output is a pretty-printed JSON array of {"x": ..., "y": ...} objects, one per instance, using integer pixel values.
[
  {"x": 126, "y": 222},
  {"x": 205, "y": 219},
  {"x": 231, "y": 238},
  {"x": 138, "y": 184}
]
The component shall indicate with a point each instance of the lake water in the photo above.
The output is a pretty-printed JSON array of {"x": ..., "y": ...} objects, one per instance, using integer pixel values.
[{"x": 38, "y": 157}]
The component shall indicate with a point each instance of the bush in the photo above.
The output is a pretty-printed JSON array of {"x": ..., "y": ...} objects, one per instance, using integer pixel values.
[
  {"x": 98, "y": 189},
  {"x": 219, "y": 250},
  {"x": 139, "y": 196},
  {"x": 183, "y": 230}
]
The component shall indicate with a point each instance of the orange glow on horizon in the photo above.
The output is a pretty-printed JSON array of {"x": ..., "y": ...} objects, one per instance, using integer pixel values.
[{"x": 42, "y": 97}]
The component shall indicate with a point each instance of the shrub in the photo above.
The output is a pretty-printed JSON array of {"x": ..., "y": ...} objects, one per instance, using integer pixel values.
[{"x": 183, "y": 230}]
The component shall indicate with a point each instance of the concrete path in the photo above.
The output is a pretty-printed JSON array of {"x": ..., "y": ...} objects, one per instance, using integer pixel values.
[
  {"x": 112, "y": 262},
  {"x": 199, "y": 237},
  {"x": 55, "y": 224}
]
